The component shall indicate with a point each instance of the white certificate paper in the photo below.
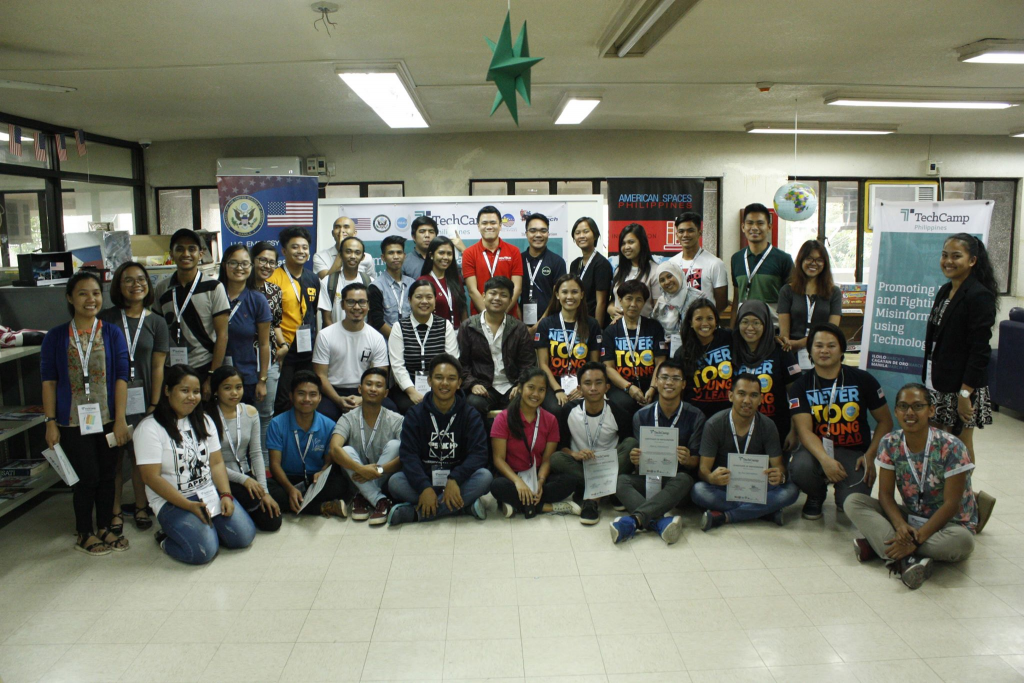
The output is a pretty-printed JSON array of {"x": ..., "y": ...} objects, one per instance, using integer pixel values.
[
  {"x": 658, "y": 451},
  {"x": 747, "y": 481},
  {"x": 600, "y": 474},
  {"x": 310, "y": 493}
]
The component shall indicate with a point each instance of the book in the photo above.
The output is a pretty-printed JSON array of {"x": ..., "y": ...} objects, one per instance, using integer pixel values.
[
  {"x": 855, "y": 294},
  {"x": 23, "y": 468},
  {"x": 12, "y": 492}
]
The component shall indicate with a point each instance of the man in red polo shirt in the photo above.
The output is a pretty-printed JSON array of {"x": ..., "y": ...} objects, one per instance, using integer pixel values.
[{"x": 489, "y": 258}]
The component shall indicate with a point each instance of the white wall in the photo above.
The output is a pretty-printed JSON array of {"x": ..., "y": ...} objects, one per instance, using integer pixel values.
[{"x": 753, "y": 166}]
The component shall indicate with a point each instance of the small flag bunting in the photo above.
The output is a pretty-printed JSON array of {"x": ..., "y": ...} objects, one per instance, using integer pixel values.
[
  {"x": 41, "y": 150},
  {"x": 80, "y": 142},
  {"x": 14, "y": 139},
  {"x": 62, "y": 146}
]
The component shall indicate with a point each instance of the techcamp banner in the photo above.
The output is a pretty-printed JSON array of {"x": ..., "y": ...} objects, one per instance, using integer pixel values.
[
  {"x": 653, "y": 203},
  {"x": 256, "y": 208},
  {"x": 904, "y": 279}
]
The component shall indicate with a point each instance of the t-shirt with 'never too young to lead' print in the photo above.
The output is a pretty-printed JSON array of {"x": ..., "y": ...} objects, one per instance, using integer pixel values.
[{"x": 561, "y": 359}]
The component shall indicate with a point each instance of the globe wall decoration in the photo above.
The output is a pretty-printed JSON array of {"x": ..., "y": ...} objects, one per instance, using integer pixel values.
[{"x": 795, "y": 202}]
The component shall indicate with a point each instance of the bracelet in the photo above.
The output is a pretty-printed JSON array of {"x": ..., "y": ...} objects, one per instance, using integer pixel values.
[
  {"x": 227, "y": 495},
  {"x": 559, "y": 389}
]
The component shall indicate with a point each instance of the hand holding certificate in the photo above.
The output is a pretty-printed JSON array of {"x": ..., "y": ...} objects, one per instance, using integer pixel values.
[
  {"x": 658, "y": 451},
  {"x": 315, "y": 489},
  {"x": 600, "y": 473},
  {"x": 747, "y": 481}
]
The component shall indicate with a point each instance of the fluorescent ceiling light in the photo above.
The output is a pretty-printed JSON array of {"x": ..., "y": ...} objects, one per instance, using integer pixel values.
[
  {"x": 856, "y": 101},
  {"x": 4, "y": 137},
  {"x": 387, "y": 94},
  {"x": 817, "y": 129},
  {"x": 1018, "y": 134},
  {"x": 575, "y": 109},
  {"x": 993, "y": 51},
  {"x": 640, "y": 25}
]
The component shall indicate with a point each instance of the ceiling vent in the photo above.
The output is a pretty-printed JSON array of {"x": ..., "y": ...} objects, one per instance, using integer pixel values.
[{"x": 640, "y": 24}]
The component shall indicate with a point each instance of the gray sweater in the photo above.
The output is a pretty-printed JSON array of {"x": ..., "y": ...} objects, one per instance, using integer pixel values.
[{"x": 249, "y": 448}]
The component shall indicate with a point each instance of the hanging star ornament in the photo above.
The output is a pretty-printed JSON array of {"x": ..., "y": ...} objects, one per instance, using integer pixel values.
[{"x": 510, "y": 68}]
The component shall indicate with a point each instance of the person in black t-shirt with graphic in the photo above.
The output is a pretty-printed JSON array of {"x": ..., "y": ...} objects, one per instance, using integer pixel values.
[
  {"x": 830, "y": 406},
  {"x": 565, "y": 341},
  {"x": 541, "y": 269},
  {"x": 706, "y": 355},
  {"x": 633, "y": 348}
]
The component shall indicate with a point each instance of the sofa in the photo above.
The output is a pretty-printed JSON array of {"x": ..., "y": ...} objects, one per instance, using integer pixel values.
[{"x": 1006, "y": 368}]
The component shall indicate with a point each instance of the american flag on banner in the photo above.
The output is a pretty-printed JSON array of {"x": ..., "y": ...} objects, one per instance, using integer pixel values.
[
  {"x": 290, "y": 214},
  {"x": 41, "y": 154},
  {"x": 80, "y": 141},
  {"x": 363, "y": 223},
  {"x": 14, "y": 139},
  {"x": 62, "y": 146}
]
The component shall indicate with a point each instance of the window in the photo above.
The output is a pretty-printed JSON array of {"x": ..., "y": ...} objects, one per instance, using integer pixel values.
[
  {"x": 100, "y": 159},
  {"x": 487, "y": 188},
  {"x": 209, "y": 209},
  {"x": 841, "y": 200},
  {"x": 391, "y": 188},
  {"x": 1000, "y": 235},
  {"x": 86, "y": 203},
  {"x": 385, "y": 189},
  {"x": 574, "y": 187},
  {"x": 175, "y": 207},
  {"x": 532, "y": 187},
  {"x": 341, "y": 191},
  {"x": 22, "y": 209},
  {"x": 28, "y": 149}
]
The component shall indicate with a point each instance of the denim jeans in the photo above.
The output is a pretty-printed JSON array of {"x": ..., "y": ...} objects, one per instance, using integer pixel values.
[
  {"x": 266, "y": 407},
  {"x": 191, "y": 541},
  {"x": 373, "y": 490},
  {"x": 711, "y": 497},
  {"x": 471, "y": 489}
]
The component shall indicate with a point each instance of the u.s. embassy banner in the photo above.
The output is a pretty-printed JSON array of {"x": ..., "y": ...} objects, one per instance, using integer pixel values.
[
  {"x": 374, "y": 222},
  {"x": 255, "y": 208},
  {"x": 905, "y": 276}
]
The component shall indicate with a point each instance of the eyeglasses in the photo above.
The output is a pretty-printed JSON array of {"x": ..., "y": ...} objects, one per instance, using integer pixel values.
[
  {"x": 675, "y": 379},
  {"x": 266, "y": 262},
  {"x": 751, "y": 322},
  {"x": 903, "y": 407},
  {"x": 819, "y": 261},
  {"x": 132, "y": 281},
  {"x": 360, "y": 303},
  {"x": 239, "y": 265}
]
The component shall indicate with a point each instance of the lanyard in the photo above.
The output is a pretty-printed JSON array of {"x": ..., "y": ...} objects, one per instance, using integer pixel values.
[
  {"x": 399, "y": 293},
  {"x": 133, "y": 342},
  {"x": 490, "y": 267},
  {"x": 921, "y": 479},
  {"x": 750, "y": 433},
  {"x": 423, "y": 344},
  {"x": 533, "y": 273},
  {"x": 586, "y": 423},
  {"x": 586, "y": 265},
  {"x": 234, "y": 309},
  {"x": 811, "y": 303},
  {"x": 238, "y": 435},
  {"x": 302, "y": 455},
  {"x": 178, "y": 312},
  {"x": 686, "y": 273},
  {"x": 536, "y": 431},
  {"x": 298, "y": 294},
  {"x": 84, "y": 356},
  {"x": 373, "y": 432},
  {"x": 635, "y": 344},
  {"x": 443, "y": 289},
  {"x": 679, "y": 413},
  {"x": 746, "y": 266},
  {"x": 569, "y": 346}
]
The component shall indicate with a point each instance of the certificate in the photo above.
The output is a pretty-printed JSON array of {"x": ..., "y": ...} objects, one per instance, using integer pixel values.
[
  {"x": 310, "y": 493},
  {"x": 601, "y": 474},
  {"x": 658, "y": 451},
  {"x": 747, "y": 481}
]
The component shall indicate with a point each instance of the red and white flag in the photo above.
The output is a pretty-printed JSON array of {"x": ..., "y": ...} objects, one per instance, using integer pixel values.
[
  {"x": 80, "y": 142},
  {"x": 62, "y": 146},
  {"x": 290, "y": 214},
  {"x": 14, "y": 139},
  {"x": 41, "y": 154}
]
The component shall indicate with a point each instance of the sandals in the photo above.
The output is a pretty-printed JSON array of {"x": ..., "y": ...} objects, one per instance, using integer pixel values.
[
  {"x": 143, "y": 518},
  {"x": 118, "y": 528},
  {"x": 93, "y": 549},
  {"x": 119, "y": 543}
]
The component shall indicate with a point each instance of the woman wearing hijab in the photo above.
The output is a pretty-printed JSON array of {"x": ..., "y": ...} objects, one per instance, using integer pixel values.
[
  {"x": 675, "y": 299},
  {"x": 754, "y": 350}
]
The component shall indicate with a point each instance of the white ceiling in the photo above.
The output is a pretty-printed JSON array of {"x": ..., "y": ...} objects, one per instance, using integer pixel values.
[{"x": 181, "y": 69}]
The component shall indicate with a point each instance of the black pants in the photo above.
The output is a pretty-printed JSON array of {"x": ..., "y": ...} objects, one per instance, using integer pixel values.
[
  {"x": 401, "y": 400},
  {"x": 622, "y": 400},
  {"x": 494, "y": 400},
  {"x": 283, "y": 401},
  {"x": 557, "y": 488},
  {"x": 260, "y": 517},
  {"x": 95, "y": 464},
  {"x": 336, "y": 488},
  {"x": 550, "y": 404}
]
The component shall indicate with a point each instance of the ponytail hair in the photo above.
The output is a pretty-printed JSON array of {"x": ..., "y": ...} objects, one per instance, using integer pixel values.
[{"x": 982, "y": 269}]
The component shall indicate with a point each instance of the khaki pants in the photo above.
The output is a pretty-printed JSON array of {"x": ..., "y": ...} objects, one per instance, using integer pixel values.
[{"x": 952, "y": 543}]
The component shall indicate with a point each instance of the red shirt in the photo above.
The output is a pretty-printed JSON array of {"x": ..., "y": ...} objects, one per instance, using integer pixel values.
[
  {"x": 516, "y": 454},
  {"x": 475, "y": 264},
  {"x": 442, "y": 306}
]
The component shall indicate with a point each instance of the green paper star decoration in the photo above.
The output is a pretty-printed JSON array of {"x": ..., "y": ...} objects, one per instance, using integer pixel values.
[{"x": 510, "y": 68}]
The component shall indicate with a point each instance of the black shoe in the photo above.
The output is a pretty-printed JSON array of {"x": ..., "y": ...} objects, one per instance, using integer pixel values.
[
  {"x": 812, "y": 508},
  {"x": 590, "y": 514},
  {"x": 617, "y": 504},
  {"x": 160, "y": 537}
]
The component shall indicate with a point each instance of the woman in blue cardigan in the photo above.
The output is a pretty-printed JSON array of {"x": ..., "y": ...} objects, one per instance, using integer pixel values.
[{"x": 84, "y": 368}]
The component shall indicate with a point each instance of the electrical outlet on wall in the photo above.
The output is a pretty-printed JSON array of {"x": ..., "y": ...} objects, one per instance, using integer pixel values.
[{"x": 931, "y": 167}]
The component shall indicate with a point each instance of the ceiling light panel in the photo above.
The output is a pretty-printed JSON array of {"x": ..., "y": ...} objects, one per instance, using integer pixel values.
[
  {"x": 764, "y": 128},
  {"x": 576, "y": 109},
  {"x": 387, "y": 94},
  {"x": 917, "y": 103},
  {"x": 993, "y": 51}
]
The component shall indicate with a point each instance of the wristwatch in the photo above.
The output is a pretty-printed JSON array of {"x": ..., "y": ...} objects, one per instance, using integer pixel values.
[
  {"x": 964, "y": 393},
  {"x": 49, "y": 419},
  {"x": 263, "y": 378}
]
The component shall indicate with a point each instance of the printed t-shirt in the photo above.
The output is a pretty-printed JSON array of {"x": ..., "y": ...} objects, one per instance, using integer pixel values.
[
  {"x": 348, "y": 354},
  {"x": 857, "y": 394},
  {"x": 198, "y": 333},
  {"x": 637, "y": 365},
  {"x": 775, "y": 373},
  {"x": 281, "y": 436},
  {"x": 768, "y": 280},
  {"x": 516, "y": 454},
  {"x": 709, "y": 387},
  {"x": 548, "y": 267},
  {"x": 474, "y": 264},
  {"x": 706, "y": 272},
  {"x": 185, "y": 466},
  {"x": 297, "y": 310},
  {"x": 562, "y": 360}
]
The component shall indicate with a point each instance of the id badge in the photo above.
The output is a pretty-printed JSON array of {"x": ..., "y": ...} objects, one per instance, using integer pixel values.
[
  {"x": 675, "y": 343},
  {"x": 136, "y": 399},
  {"x": 804, "y": 359},
  {"x": 227, "y": 361},
  {"x": 569, "y": 383},
  {"x": 440, "y": 478},
  {"x": 915, "y": 521},
  {"x": 211, "y": 500},
  {"x": 829, "y": 446},
  {"x": 90, "y": 420},
  {"x": 422, "y": 385},
  {"x": 530, "y": 314},
  {"x": 178, "y": 355},
  {"x": 653, "y": 486},
  {"x": 304, "y": 339}
]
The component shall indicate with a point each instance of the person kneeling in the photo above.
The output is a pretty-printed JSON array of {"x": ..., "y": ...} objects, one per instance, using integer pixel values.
[
  {"x": 179, "y": 457},
  {"x": 444, "y": 448},
  {"x": 723, "y": 434},
  {"x": 649, "y": 498},
  {"x": 523, "y": 438},
  {"x": 936, "y": 522}
]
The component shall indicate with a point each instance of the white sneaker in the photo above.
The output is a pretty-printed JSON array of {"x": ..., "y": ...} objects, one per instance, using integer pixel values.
[
  {"x": 566, "y": 508},
  {"x": 507, "y": 510}
]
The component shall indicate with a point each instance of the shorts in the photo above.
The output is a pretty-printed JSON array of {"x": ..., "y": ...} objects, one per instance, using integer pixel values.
[{"x": 946, "y": 403}]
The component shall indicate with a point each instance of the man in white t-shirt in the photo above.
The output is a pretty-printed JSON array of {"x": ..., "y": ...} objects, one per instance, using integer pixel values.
[
  {"x": 344, "y": 351},
  {"x": 701, "y": 270},
  {"x": 329, "y": 260},
  {"x": 329, "y": 304}
]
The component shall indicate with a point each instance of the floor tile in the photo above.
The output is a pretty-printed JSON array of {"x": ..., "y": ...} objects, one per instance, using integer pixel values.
[
  {"x": 247, "y": 662},
  {"x": 422, "y": 660},
  {"x": 325, "y": 662},
  {"x": 646, "y": 653},
  {"x": 164, "y": 663},
  {"x": 83, "y": 663},
  {"x": 562, "y": 656},
  {"x": 480, "y": 659}
]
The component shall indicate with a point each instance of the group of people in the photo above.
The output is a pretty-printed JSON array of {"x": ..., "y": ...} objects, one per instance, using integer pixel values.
[{"x": 425, "y": 387}]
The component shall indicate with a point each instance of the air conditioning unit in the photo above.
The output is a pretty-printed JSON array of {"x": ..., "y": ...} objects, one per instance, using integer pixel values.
[
  {"x": 260, "y": 166},
  {"x": 886, "y": 191}
]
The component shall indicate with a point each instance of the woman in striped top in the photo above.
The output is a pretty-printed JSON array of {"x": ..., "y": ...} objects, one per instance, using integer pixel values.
[{"x": 416, "y": 339}]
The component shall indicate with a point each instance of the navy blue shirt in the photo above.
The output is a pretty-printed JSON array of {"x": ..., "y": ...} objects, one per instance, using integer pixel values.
[
  {"x": 690, "y": 423},
  {"x": 548, "y": 267},
  {"x": 248, "y": 310}
]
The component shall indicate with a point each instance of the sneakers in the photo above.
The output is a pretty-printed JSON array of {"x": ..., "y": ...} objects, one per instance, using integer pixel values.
[
  {"x": 507, "y": 510},
  {"x": 334, "y": 508},
  {"x": 589, "y": 513},
  {"x": 160, "y": 536},
  {"x": 778, "y": 518},
  {"x": 403, "y": 513},
  {"x": 360, "y": 508},
  {"x": 812, "y": 508},
  {"x": 380, "y": 512},
  {"x": 711, "y": 519},
  {"x": 985, "y": 505},
  {"x": 915, "y": 571},
  {"x": 566, "y": 508},
  {"x": 623, "y": 529},
  {"x": 669, "y": 528},
  {"x": 862, "y": 550},
  {"x": 478, "y": 510},
  {"x": 617, "y": 504}
]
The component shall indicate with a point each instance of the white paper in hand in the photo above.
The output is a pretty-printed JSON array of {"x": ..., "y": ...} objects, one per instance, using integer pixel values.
[
  {"x": 600, "y": 474},
  {"x": 747, "y": 481},
  {"x": 529, "y": 477},
  {"x": 59, "y": 461},
  {"x": 313, "y": 491},
  {"x": 658, "y": 451}
]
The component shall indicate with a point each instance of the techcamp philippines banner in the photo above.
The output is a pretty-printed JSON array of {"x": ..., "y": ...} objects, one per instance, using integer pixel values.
[
  {"x": 256, "y": 208},
  {"x": 653, "y": 203},
  {"x": 904, "y": 279}
]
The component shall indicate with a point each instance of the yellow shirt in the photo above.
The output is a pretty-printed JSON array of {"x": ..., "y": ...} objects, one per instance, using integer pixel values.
[{"x": 294, "y": 310}]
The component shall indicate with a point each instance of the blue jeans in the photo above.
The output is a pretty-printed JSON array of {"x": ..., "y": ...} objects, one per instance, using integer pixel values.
[
  {"x": 471, "y": 489},
  {"x": 372, "y": 490},
  {"x": 711, "y": 497},
  {"x": 266, "y": 407},
  {"x": 191, "y": 541}
]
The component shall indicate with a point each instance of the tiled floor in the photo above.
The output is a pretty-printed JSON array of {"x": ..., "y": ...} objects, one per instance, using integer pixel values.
[{"x": 539, "y": 600}]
